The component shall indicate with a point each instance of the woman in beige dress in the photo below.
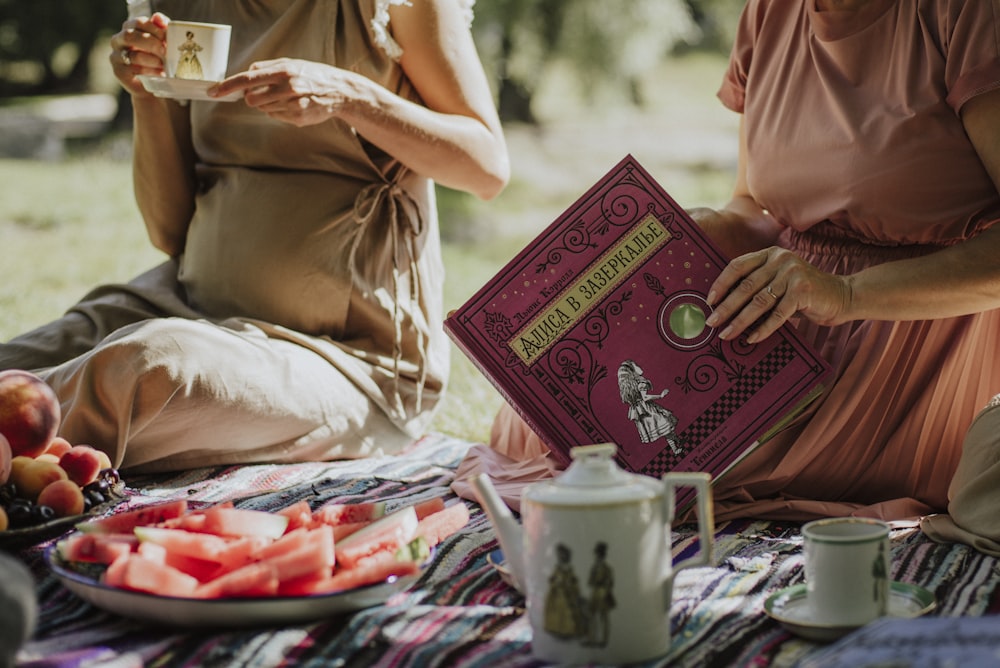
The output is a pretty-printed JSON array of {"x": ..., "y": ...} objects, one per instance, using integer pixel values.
[{"x": 298, "y": 315}]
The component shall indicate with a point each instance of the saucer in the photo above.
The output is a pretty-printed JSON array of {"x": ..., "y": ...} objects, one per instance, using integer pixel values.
[
  {"x": 184, "y": 89},
  {"x": 790, "y": 608},
  {"x": 497, "y": 561}
]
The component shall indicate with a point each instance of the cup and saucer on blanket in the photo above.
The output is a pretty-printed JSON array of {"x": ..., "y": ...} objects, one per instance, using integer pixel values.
[{"x": 790, "y": 608}]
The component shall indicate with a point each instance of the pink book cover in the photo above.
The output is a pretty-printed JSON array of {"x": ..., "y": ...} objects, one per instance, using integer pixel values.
[{"x": 596, "y": 333}]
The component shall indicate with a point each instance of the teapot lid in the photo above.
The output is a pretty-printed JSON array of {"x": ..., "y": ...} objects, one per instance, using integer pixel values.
[{"x": 593, "y": 478}]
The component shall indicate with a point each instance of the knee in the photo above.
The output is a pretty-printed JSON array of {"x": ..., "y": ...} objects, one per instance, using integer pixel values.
[
  {"x": 975, "y": 488},
  {"x": 157, "y": 351},
  {"x": 130, "y": 376}
]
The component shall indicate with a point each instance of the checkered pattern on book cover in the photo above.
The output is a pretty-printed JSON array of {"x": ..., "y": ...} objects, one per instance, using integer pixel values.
[{"x": 715, "y": 415}]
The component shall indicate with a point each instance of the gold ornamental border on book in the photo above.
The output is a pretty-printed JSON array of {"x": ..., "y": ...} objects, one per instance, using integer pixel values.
[{"x": 599, "y": 279}]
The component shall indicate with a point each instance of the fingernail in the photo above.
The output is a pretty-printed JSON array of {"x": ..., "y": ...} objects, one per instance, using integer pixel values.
[
  {"x": 712, "y": 320},
  {"x": 711, "y": 298},
  {"x": 724, "y": 334}
]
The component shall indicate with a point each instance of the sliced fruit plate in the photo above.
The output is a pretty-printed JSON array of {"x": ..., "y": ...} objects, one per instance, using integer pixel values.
[
  {"x": 224, "y": 566},
  {"x": 234, "y": 612}
]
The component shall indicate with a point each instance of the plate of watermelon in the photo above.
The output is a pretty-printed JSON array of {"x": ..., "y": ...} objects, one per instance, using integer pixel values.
[{"x": 223, "y": 566}]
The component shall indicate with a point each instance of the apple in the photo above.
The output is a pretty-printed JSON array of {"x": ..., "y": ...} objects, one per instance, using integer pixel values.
[{"x": 29, "y": 412}]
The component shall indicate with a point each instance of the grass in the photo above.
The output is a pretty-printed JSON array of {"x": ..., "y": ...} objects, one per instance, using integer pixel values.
[{"x": 67, "y": 226}]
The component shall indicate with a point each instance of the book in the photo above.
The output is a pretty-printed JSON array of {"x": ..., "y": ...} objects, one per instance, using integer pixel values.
[{"x": 595, "y": 332}]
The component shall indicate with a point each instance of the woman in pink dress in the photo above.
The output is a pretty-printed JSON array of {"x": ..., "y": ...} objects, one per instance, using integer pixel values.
[{"x": 865, "y": 212}]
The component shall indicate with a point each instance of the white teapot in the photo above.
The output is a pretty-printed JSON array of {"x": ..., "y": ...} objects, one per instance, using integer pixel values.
[{"x": 593, "y": 557}]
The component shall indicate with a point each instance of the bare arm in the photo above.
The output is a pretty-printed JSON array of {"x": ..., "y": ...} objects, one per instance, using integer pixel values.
[
  {"x": 958, "y": 280},
  {"x": 456, "y": 139},
  {"x": 163, "y": 156}
]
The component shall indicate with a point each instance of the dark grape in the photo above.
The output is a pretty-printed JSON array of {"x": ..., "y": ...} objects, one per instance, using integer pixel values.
[
  {"x": 20, "y": 514},
  {"x": 94, "y": 497},
  {"x": 8, "y": 492},
  {"x": 42, "y": 514}
]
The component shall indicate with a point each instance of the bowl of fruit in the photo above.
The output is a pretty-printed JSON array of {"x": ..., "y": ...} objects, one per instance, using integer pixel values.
[{"x": 47, "y": 484}]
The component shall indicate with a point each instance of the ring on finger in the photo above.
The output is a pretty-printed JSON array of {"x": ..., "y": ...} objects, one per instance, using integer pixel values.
[
  {"x": 126, "y": 56},
  {"x": 770, "y": 291}
]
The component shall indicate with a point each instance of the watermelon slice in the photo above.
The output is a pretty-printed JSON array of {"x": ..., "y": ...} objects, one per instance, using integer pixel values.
[
  {"x": 96, "y": 548},
  {"x": 317, "y": 555},
  {"x": 342, "y": 531},
  {"x": 200, "y": 569},
  {"x": 437, "y": 526},
  {"x": 141, "y": 574},
  {"x": 241, "y": 522},
  {"x": 313, "y": 557},
  {"x": 299, "y": 516},
  {"x": 386, "y": 534},
  {"x": 371, "y": 570},
  {"x": 348, "y": 513},
  {"x": 291, "y": 541},
  {"x": 429, "y": 507},
  {"x": 227, "y": 551},
  {"x": 250, "y": 580},
  {"x": 125, "y": 522}
]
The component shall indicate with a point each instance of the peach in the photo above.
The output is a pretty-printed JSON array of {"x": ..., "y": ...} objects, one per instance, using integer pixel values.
[
  {"x": 17, "y": 464},
  {"x": 105, "y": 460},
  {"x": 58, "y": 446},
  {"x": 82, "y": 463},
  {"x": 6, "y": 459},
  {"x": 47, "y": 457},
  {"x": 31, "y": 478},
  {"x": 29, "y": 412},
  {"x": 4, "y": 520},
  {"x": 64, "y": 497}
]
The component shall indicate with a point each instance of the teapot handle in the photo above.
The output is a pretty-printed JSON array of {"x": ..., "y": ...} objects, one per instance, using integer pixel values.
[{"x": 706, "y": 514}]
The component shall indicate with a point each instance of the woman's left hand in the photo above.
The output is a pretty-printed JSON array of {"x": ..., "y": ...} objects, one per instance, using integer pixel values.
[
  {"x": 299, "y": 92},
  {"x": 771, "y": 286}
]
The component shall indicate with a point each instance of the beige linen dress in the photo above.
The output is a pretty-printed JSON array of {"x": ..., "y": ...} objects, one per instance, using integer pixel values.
[
  {"x": 302, "y": 320},
  {"x": 857, "y": 147}
]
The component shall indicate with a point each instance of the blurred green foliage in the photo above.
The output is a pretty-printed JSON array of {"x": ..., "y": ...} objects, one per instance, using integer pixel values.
[{"x": 46, "y": 45}]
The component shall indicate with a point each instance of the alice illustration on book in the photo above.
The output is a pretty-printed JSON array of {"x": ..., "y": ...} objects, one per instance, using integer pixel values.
[
  {"x": 652, "y": 420},
  {"x": 189, "y": 67}
]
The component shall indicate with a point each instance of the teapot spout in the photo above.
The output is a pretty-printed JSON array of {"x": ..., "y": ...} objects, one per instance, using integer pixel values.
[{"x": 508, "y": 530}]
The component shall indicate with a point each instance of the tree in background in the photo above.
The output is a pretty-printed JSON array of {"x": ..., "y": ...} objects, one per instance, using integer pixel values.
[
  {"x": 601, "y": 41},
  {"x": 46, "y": 45}
]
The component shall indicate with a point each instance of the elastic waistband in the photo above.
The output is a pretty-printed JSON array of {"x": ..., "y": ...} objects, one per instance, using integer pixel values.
[{"x": 826, "y": 239}]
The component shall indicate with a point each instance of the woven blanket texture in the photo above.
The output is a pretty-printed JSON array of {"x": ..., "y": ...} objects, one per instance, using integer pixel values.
[{"x": 460, "y": 612}]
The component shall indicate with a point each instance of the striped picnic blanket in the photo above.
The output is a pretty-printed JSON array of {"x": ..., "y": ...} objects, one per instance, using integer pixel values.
[{"x": 460, "y": 612}]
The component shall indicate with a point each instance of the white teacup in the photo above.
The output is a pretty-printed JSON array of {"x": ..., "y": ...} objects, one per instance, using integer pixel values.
[
  {"x": 197, "y": 51},
  {"x": 847, "y": 570}
]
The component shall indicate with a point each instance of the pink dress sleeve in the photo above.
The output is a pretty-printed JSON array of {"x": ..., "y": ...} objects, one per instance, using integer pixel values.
[{"x": 973, "y": 49}]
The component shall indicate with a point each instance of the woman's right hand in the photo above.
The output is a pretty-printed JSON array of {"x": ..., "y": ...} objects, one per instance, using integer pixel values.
[{"x": 139, "y": 48}]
